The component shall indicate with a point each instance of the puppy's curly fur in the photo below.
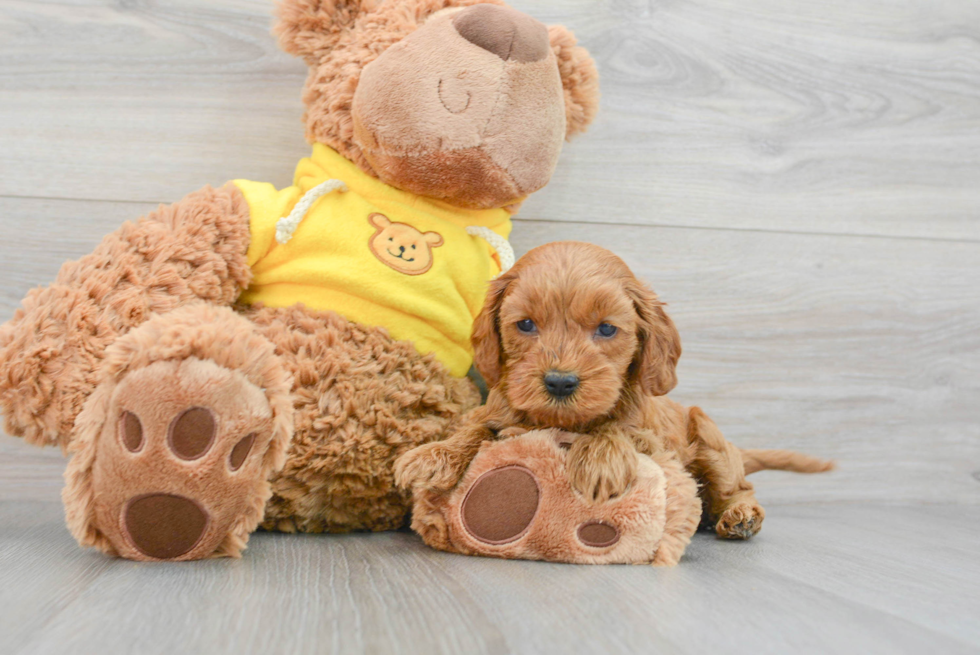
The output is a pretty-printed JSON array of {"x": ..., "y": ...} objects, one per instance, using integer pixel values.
[{"x": 544, "y": 316}]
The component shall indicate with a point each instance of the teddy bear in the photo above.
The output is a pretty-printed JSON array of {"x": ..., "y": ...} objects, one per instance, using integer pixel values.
[{"x": 258, "y": 357}]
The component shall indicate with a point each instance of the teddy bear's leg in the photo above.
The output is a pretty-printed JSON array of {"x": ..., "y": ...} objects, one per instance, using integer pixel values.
[
  {"x": 50, "y": 352},
  {"x": 730, "y": 498},
  {"x": 173, "y": 450}
]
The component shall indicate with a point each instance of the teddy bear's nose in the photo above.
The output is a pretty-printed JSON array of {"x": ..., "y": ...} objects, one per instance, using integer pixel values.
[{"x": 505, "y": 32}]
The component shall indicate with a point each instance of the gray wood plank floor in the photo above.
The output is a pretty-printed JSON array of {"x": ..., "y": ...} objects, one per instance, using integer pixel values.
[{"x": 799, "y": 181}]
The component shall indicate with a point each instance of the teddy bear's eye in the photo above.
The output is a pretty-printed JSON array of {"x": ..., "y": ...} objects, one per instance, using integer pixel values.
[
  {"x": 391, "y": 239},
  {"x": 413, "y": 246}
]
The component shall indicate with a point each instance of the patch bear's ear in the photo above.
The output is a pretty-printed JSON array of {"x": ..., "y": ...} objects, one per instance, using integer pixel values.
[
  {"x": 434, "y": 239},
  {"x": 312, "y": 28},
  {"x": 379, "y": 221},
  {"x": 579, "y": 78}
]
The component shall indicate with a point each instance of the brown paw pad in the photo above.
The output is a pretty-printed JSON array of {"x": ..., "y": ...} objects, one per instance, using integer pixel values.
[
  {"x": 164, "y": 526},
  {"x": 131, "y": 432},
  {"x": 240, "y": 452},
  {"x": 192, "y": 433},
  {"x": 598, "y": 534},
  {"x": 501, "y": 505}
]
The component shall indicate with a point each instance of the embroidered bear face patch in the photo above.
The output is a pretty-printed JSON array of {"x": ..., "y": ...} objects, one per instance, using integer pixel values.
[{"x": 401, "y": 246}]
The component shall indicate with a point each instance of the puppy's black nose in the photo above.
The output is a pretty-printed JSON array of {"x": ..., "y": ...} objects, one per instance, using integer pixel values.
[{"x": 561, "y": 385}]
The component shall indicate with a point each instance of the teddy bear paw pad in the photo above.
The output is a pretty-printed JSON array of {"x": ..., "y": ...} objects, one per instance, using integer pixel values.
[
  {"x": 164, "y": 526},
  {"x": 501, "y": 505},
  {"x": 598, "y": 534},
  {"x": 180, "y": 460}
]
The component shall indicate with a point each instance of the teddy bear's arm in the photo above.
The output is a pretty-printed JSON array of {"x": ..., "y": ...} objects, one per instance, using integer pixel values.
[{"x": 52, "y": 350}]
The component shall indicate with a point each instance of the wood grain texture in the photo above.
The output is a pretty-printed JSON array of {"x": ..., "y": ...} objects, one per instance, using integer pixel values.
[
  {"x": 842, "y": 117},
  {"x": 883, "y": 580}
]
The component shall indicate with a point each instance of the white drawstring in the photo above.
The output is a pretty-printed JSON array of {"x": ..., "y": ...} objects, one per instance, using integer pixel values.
[
  {"x": 287, "y": 225},
  {"x": 497, "y": 242}
]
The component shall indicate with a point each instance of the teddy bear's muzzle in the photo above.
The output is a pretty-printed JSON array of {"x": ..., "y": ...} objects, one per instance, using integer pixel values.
[{"x": 468, "y": 109}]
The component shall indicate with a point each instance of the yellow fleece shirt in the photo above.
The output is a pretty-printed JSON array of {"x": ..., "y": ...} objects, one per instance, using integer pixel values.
[{"x": 376, "y": 255}]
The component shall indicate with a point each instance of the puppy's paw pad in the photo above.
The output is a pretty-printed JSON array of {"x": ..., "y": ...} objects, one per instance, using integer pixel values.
[{"x": 740, "y": 521}]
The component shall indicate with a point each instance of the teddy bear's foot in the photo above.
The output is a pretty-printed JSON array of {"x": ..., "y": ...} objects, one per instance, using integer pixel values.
[
  {"x": 173, "y": 457},
  {"x": 179, "y": 471},
  {"x": 515, "y": 501}
]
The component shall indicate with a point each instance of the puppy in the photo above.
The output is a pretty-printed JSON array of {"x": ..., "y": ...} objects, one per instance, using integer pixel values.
[{"x": 570, "y": 339}]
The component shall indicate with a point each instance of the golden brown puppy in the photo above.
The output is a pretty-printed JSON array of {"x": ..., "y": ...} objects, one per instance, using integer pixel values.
[{"x": 569, "y": 338}]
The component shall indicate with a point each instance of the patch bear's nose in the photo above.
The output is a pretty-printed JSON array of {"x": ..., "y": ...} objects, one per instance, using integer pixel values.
[{"x": 505, "y": 32}]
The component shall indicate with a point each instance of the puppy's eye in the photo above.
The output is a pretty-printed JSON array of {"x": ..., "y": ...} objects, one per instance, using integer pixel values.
[
  {"x": 606, "y": 330},
  {"x": 527, "y": 326},
  {"x": 413, "y": 246}
]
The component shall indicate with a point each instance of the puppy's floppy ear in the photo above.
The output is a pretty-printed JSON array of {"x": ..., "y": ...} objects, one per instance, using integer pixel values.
[
  {"x": 655, "y": 364},
  {"x": 312, "y": 28},
  {"x": 579, "y": 78},
  {"x": 488, "y": 354}
]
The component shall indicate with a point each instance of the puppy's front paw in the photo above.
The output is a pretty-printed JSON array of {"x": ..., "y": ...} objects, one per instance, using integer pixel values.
[
  {"x": 601, "y": 468},
  {"x": 434, "y": 466}
]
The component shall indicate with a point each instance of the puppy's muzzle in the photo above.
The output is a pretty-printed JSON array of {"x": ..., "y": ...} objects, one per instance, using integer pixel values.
[{"x": 560, "y": 385}]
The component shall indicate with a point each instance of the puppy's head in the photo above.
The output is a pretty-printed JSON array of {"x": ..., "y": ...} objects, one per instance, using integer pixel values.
[{"x": 569, "y": 331}]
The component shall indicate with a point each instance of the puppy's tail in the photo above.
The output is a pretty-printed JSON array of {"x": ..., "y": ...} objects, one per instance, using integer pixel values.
[{"x": 783, "y": 460}]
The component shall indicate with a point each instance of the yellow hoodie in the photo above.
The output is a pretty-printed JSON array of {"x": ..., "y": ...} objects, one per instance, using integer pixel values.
[{"x": 374, "y": 254}]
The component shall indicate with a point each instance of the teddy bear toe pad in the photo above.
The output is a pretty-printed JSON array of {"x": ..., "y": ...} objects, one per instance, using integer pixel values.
[{"x": 177, "y": 469}]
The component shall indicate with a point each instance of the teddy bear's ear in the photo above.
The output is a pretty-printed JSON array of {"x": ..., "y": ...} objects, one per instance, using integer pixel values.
[
  {"x": 311, "y": 28},
  {"x": 579, "y": 78}
]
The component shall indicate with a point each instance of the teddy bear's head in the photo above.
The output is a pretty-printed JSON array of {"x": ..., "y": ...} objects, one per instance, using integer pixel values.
[{"x": 457, "y": 100}]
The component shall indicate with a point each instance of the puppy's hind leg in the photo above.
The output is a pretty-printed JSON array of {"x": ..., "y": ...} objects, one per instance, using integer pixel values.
[{"x": 729, "y": 497}]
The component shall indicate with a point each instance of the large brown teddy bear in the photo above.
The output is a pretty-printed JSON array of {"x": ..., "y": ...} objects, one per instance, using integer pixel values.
[{"x": 254, "y": 356}]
